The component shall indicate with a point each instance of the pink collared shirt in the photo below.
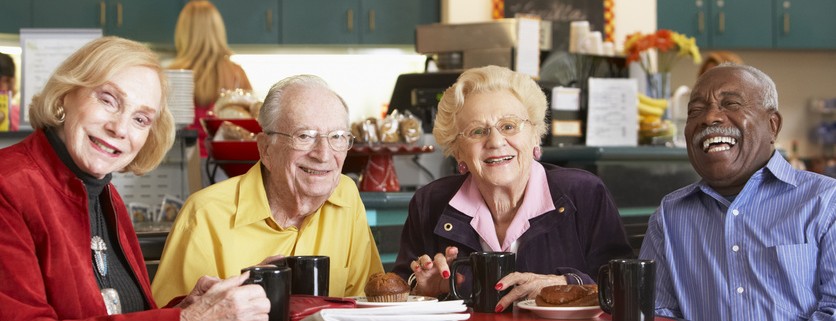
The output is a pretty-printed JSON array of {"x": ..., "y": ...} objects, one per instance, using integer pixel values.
[{"x": 536, "y": 201}]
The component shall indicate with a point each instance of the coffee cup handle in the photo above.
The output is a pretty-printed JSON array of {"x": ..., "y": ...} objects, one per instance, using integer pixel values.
[
  {"x": 605, "y": 289},
  {"x": 454, "y": 295}
]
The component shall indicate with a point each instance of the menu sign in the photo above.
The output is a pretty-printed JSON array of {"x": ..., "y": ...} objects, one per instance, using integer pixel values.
[
  {"x": 612, "y": 118},
  {"x": 42, "y": 51}
]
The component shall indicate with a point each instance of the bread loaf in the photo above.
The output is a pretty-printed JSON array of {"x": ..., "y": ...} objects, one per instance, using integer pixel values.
[{"x": 569, "y": 295}]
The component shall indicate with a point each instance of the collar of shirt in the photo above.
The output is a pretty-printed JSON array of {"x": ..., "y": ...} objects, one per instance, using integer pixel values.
[
  {"x": 777, "y": 166},
  {"x": 258, "y": 208},
  {"x": 536, "y": 201}
]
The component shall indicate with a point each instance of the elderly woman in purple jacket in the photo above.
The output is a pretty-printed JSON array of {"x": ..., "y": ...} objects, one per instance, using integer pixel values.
[{"x": 561, "y": 223}]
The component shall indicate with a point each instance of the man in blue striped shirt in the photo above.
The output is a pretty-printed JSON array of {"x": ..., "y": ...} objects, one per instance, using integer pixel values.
[{"x": 754, "y": 239}]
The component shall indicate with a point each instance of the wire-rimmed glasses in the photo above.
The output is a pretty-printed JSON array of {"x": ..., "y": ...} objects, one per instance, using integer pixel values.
[
  {"x": 507, "y": 126},
  {"x": 305, "y": 139}
]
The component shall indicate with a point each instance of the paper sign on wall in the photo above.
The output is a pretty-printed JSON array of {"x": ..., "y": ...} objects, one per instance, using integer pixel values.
[
  {"x": 43, "y": 50},
  {"x": 527, "y": 51},
  {"x": 612, "y": 118}
]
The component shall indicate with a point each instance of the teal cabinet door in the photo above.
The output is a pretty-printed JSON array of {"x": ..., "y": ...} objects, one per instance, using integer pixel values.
[
  {"x": 393, "y": 22},
  {"x": 251, "y": 21},
  {"x": 144, "y": 20},
  {"x": 321, "y": 21},
  {"x": 741, "y": 24},
  {"x": 807, "y": 24},
  {"x": 69, "y": 14},
  {"x": 16, "y": 14},
  {"x": 688, "y": 17},
  {"x": 140, "y": 20}
]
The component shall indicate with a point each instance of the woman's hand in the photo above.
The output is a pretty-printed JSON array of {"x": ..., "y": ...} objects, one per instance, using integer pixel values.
[
  {"x": 526, "y": 285},
  {"x": 432, "y": 274},
  {"x": 226, "y": 300}
]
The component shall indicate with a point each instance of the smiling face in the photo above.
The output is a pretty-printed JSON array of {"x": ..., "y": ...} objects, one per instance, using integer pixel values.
[
  {"x": 106, "y": 126},
  {"x": 496, "y": 161},
  {"x": 729, "y": 134},
  {"x": 313, "y": 173}
]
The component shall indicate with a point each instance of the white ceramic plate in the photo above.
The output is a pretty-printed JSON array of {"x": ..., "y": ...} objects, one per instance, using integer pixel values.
[
  {"x": 362, "y": 302},
  {"x": 560, "y": 312}
]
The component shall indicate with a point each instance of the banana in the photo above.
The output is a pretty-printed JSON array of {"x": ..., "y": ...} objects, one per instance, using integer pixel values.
[
  {"x": 653, "y": 102},
  {"x": 649, "y": 119},
  {"x": 650, "y": 110}
]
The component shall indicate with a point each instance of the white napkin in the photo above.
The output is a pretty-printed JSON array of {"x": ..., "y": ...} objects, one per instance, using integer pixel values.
[{"x": 424, "y": 311}]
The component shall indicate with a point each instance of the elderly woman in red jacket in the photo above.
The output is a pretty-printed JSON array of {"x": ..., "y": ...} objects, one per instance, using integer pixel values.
[
  {"x": 68, "y": 249},
  {"x": 561, "y": 223}
]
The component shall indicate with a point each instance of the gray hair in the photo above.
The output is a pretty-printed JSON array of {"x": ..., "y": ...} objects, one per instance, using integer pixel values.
[
  {"x": 271, "y": 110},
  {"x": 488, "y": 79},
  {"x": 769, "y": 93}
]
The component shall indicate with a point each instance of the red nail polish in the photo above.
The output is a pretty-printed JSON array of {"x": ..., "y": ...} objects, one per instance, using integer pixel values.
[
  {"x": 445, "y": 274},
  {"x": 498, "y": 286},
  {"x": 499, "y": 308}
]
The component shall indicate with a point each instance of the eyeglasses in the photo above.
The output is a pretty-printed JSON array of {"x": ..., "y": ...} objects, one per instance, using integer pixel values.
[
  {"x": 304, "y": 139},
  {"x": 508, "y": 126}
]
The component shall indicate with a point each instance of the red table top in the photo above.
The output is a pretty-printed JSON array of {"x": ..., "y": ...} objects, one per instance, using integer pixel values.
[{"x": 520, "y": 314}]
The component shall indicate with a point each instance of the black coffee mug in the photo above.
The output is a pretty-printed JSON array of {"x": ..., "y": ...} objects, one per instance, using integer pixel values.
[
  {"x": 310, "y": 273},
  {"x": 276, "y": 283},
  {"x": 627, "y": 289},
  {"x": 488, "y": 268}
]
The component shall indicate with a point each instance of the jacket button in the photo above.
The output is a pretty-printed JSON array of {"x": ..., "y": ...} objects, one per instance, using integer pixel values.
[
  {"x": 448, "y": 227},
  {"x": 561, "y": 210}
]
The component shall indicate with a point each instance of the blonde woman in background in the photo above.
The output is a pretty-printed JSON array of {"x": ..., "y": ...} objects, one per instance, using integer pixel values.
[{"x": 200, "y": 41}]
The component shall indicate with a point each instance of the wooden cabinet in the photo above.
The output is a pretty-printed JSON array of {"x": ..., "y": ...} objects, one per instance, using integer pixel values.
[
  {"x": 719, "y": 23},
  {"x": 807, "y": 24},
  {"x": 141, "y": 20},
  {"x": 355, "y": 21},
  {"x": 393, "y": 22},
  {"x": 752, "y": 24},
  {"x": 378, "y": 22},
  {"x": 16, "y": 14},
  {"x": 320, "y": 21},
  {"x": 684, "y": 16},
  {"x": 251, "y": 21},
  {"x": 740, "y": 24}
]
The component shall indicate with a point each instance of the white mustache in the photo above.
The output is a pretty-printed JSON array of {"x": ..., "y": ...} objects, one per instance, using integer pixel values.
[{"x": 714, "y": 130}]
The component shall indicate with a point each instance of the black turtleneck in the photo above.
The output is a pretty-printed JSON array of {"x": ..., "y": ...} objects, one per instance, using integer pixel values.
[{"x": 118, "y": 275}]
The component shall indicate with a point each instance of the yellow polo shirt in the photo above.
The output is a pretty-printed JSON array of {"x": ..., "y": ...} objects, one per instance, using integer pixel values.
[{"x": 227, "y": 226}]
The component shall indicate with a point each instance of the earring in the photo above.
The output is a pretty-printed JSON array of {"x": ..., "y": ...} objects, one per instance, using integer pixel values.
[
  {"x": 538, "y": 152},
  {"x": 60, "y": 114},
  {"x": 462, "y": 167}
]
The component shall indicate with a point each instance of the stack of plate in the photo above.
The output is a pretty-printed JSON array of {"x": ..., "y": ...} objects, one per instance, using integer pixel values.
[{"x": 181, "y": 96}]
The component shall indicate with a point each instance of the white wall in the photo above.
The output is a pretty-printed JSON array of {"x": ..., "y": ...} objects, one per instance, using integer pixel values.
[
  {"x": 633, "y": 16},
  {"x": 465, "y": 11},
  {"x": 364, "y": 78}
]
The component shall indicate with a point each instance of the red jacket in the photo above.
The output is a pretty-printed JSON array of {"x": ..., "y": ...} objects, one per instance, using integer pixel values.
[{"x": 45, "y": 261}]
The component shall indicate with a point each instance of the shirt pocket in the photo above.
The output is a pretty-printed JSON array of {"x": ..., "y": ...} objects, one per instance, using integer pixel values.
[{"x": 793, "y": 276}]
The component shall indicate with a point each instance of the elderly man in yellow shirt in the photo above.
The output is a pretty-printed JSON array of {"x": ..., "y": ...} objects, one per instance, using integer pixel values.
[{"x": 294, "y": 201}]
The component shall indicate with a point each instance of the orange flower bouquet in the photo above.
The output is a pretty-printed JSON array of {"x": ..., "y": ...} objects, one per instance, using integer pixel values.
[{"x": 657, "y": 52}]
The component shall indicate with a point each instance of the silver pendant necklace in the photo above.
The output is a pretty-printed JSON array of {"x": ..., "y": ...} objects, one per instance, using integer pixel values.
[
  {"x": 99, "y": 247},
  {"x": 110, "y": 296}
]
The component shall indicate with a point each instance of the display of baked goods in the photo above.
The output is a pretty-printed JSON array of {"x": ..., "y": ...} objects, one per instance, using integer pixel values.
[
  {"x": 569, "y": 295},
  {"x": 229, "y": 131},
  {"x": 386, "y": 287},
  {"x": 236, "y": 104},
  {"x": 393, "y": 129}
]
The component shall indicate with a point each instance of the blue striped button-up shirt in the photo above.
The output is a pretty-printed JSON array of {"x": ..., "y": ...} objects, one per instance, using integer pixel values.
[{"x": 770, "y": 254}]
